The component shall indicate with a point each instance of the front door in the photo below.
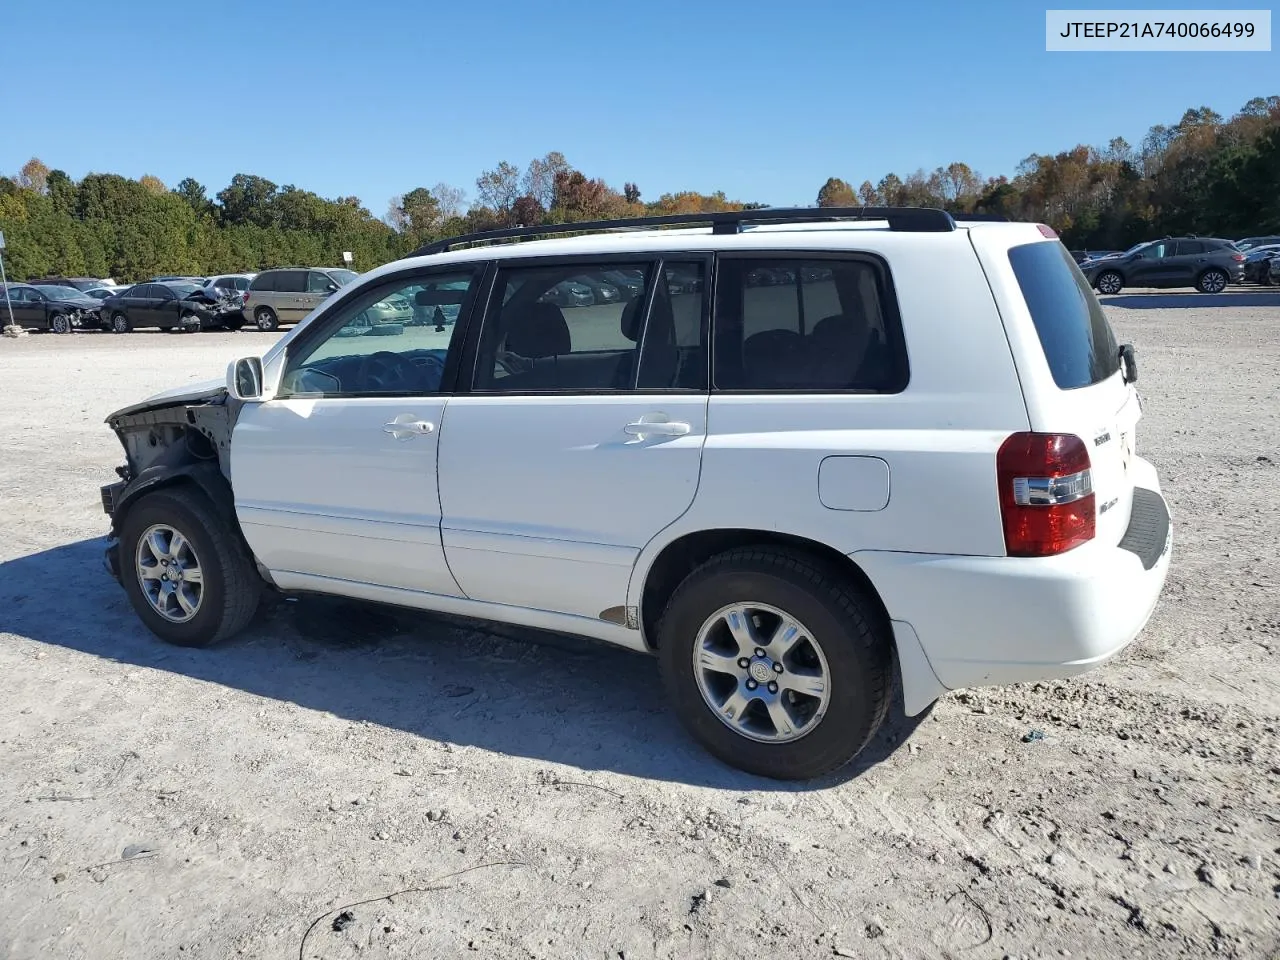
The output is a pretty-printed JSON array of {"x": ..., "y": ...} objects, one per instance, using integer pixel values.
[
  {"x": 580, "y": 437},
  {"x": 1152, "y": 268},
  {"x": 335, "y": 477}
]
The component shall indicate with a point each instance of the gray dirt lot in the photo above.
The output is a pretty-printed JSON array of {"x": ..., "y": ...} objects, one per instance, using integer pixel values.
[{"x": 335, "y": 754}]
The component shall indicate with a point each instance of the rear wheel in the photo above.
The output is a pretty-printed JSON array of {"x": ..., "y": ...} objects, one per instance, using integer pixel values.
[
  {"x": 187, "y": 576},
  {"x": 774, "y": 663},
  {"x": 60, "y": 323},
  {"x": 1212, "y": 281},
  {"x": 266, "y": 319},
  {"x": 1109, "y": 282},
  {"x": 120, "y": 323}
]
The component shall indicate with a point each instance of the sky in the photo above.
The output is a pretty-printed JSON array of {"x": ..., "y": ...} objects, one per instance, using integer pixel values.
[{"x": 762, "y": 100}]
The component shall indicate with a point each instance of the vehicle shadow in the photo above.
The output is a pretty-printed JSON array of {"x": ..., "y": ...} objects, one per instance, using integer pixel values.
[
  {"x": 513, "y": 691},
  {"x": 1167, "y": 301}
]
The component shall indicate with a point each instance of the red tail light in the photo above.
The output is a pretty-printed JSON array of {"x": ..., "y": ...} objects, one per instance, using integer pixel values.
[
  {"x": 1237, "y": 256},
  {"x": 1046, "y": 494},
  {"x": 1047, "y": 231},
  {"x": 246, "y": 296}
]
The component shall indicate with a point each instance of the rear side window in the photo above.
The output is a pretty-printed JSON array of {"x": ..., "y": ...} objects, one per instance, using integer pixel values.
[
  {"x": 1074, "y": 333},
  {"x": 806, "y": 324},
  {"x": 1188, "y": 247},
  {"x": 291, "y": 281}
]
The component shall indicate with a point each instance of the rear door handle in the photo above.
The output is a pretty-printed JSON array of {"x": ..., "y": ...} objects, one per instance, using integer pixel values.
[
  {"x": 657, "y": 428},
  {"x": 407, "y": 426}
]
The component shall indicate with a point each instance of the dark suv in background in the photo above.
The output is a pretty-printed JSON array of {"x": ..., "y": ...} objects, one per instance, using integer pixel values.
[{"x": 1206, "y": 263}]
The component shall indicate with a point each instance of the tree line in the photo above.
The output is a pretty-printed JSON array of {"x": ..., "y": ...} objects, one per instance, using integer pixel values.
[{"x": 1206, "y": 174}]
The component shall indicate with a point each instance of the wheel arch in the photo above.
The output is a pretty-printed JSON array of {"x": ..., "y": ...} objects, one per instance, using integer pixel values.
[
  {"x": 201, "y": 475},
  {"x": 655, "y": 582}
]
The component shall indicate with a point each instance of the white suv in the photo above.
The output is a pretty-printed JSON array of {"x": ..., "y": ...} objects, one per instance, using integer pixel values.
[{"x": 800, "y": 455}]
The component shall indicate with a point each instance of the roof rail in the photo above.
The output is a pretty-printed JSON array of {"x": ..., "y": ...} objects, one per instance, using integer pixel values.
[{"x": 909, "y": 219}]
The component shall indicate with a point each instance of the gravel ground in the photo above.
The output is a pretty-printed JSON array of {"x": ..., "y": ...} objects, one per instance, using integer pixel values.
[{"x": 159, "y": 802}]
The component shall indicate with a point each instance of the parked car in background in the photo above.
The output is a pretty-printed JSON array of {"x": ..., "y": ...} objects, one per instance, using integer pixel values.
[
  {"x": 569, "y": 293},
  {"x": 101, "y": 293},
  {"x": 238, "y": 282},
  {"x": 75, "y": 283},
  {"x": 1252, "y": 243},
  {"x": 177, "y": 279},
  {"x": 48, "y": 307},
  {"x": 1257, "y": 263},
  {"x": 177, "y": 305},
  {"x": 1206, "y": 263},
  {"x": 1274, "y": 278},
  {"x": 288, "y": 294}
]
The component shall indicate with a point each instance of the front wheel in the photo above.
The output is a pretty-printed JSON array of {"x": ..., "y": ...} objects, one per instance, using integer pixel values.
[
  {"x": 120, "y": 323},
  {"x": 266, "y": 319},
  {"x": 1109, "y": 283},
  {"x": 187, "y": 576},
  {"x": 1212, "y": 281},
  {"x": 60, "y": 323},
  {"x": 776, "y": 664}
]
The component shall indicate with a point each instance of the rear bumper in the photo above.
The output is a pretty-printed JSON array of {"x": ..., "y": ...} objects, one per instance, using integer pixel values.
[{"x": 995, "y": 620}]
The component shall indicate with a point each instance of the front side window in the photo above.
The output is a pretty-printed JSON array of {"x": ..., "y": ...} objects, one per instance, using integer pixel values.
[
  {"x": 377, "y": 345},
  {"x": 318, "y": 282},
  {"x": 797, "y": 324},
  {"x": 1156, "y": 251}
]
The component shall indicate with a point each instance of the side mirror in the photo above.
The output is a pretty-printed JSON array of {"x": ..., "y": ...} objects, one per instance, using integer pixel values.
[
  {"x": 331, "y": 288},
  {"x": 1129, "y": 363},
  {"x": 244, "y": 378}
]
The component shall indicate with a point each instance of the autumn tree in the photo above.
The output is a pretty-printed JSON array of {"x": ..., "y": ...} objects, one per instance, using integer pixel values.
[
  {"x": 836, "y": 193},
  {"x": 34, "y": 175}
]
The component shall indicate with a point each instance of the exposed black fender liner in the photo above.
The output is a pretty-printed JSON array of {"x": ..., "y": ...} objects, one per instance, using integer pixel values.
[{"x": 204, "y": 474}]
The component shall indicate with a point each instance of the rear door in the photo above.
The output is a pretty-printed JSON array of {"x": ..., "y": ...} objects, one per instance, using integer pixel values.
[
  {"x": 579, "y": 439},
  {"x": 1068, "y": 361},
  {"x": 290, "y": 295},
  {"x": 1187, "y": 262}
]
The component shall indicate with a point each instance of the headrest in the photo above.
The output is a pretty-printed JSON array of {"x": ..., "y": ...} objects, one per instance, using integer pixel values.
[
  {"x": 539, "y": 330},
  {"x": 630, "y": 321}
]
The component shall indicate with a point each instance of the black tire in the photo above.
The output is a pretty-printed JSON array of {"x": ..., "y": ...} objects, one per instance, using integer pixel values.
[
  {"x": 266, "y": 320},
  {"x": 186, "y": 326},
  {"x": 60, "y": 323},
  {"x": 1212, "y": 280},
  {"x": 1109, "y": 282},
  {"x": 853, "y": 636},
  {"x": 231, "y": 586},
  {"x": 120, "y": 323}
]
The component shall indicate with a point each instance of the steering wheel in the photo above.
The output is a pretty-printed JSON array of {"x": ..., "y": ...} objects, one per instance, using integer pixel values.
[{"x": 386, "y": 372}]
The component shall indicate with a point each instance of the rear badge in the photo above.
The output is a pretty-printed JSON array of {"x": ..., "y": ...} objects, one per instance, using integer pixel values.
[{"x": 1108, "y": 505}]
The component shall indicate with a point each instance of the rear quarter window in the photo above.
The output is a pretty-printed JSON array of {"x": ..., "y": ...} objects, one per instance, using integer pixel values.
[
  {"x": 263, "y": 282},
  {"x": 1074, "y": 333}
]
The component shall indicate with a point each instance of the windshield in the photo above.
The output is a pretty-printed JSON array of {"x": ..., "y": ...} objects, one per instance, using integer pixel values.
[
  {"x": 183, "y": 289},
  {"x": 343, "y": 277},
  {"x": 60, "y": 293},
  {"x": 1136, "y": 246}
]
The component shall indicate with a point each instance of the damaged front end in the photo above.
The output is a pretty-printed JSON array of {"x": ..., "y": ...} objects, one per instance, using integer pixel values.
[{"x": 183, "y": 436}]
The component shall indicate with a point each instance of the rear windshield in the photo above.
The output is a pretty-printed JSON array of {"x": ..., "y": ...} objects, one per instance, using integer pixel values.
[{"x": 1074, "y": 333}]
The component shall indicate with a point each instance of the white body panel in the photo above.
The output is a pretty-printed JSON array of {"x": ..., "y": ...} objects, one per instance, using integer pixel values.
[
  {"x": 322, "y": 489},
  {"x": 547, "y": 501}
]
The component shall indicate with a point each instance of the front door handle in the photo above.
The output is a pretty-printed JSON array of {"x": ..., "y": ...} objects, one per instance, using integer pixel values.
[
  {"x": 657, "y": 428},
  {"x": 407, "y": 426}
]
